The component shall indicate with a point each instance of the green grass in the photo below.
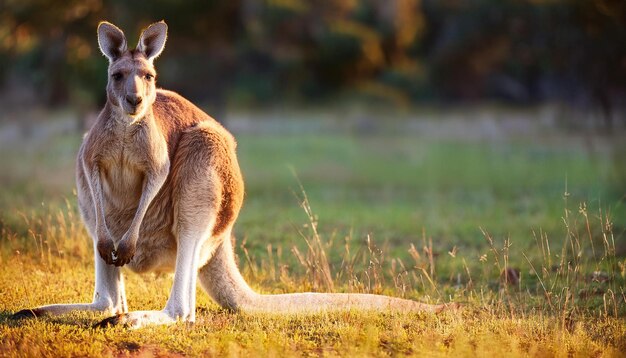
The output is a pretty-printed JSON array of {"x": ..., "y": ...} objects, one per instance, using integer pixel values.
[{"x": 405, "y": 215}]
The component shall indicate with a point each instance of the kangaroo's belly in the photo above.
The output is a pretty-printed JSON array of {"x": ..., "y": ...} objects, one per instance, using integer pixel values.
[
  {"x": 156, "y": 246},
  {"x": 154, "y": 253}
]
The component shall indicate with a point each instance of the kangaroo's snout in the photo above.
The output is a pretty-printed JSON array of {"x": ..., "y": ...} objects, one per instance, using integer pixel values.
[{"x": 134, "y": 100}]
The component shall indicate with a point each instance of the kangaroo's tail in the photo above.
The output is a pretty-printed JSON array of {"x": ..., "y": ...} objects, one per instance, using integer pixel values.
[{"x": 222, "y": 280}]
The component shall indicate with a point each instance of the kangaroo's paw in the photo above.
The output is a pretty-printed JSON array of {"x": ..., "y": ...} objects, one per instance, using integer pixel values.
[
  {"x": 26, "y": 314},
  {"x": 116, "y": 320},
  {"x": 136, "y": 319}
]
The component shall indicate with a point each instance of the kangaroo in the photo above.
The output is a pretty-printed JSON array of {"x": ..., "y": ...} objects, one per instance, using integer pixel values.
[{"x": 159, "y": 188}]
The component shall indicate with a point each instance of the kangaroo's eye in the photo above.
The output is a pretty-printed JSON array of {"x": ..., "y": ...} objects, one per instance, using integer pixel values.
[
  {"x": 117, "y": 76},
  {"x": 149, "y": 77}
]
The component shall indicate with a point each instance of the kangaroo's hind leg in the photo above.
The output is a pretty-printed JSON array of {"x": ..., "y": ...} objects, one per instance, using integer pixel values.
[{"x": 109, "y": 295}]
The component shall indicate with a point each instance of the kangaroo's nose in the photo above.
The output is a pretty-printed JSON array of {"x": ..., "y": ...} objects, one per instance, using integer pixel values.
[{"x": 133, "y": 100}]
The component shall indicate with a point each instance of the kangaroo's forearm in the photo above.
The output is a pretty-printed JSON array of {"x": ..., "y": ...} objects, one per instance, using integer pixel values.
[
  {"x": 151, "y": 186},
  {"x": 92, "y": 174}
]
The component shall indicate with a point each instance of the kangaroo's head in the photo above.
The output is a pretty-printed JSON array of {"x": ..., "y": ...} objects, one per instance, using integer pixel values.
[{"x": 131, "y": 87}]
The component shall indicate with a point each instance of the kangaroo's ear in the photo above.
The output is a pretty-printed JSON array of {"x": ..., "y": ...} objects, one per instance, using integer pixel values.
[
  {"x": 111, "y": 40},
  {"x": 152, "y": 40}
]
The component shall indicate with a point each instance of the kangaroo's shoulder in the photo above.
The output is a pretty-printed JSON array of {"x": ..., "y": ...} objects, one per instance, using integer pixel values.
[
  {"x": 177, "y": 115},
  {"x": 170, "y": 105}
]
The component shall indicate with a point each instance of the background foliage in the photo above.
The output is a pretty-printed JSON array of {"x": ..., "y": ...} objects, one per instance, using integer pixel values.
[{"x": 396, "y": 52}]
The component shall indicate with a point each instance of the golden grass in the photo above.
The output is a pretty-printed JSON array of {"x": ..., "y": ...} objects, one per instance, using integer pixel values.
[
  {"x": 552, "y": 315},
  {"x": 549, "y": 293},
  {"x": 474, "y": 331}
]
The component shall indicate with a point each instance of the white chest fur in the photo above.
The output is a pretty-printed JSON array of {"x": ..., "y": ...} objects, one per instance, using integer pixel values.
[{"x": 122, "y": 172}]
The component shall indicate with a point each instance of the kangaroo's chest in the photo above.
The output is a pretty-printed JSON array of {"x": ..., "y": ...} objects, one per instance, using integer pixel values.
[
  {"x": 123, "y": 174},
  {"x": 122, "y": 181}
]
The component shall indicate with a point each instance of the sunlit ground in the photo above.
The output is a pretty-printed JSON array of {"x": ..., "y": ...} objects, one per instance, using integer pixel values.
[{"x": 433, "y": 211}]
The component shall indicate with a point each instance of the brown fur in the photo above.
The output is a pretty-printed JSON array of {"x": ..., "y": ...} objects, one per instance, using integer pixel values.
[{"x": 192, "y": 138}]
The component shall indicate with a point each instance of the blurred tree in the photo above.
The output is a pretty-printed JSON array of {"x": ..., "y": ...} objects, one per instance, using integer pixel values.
[{"x": 255, "y": 52}]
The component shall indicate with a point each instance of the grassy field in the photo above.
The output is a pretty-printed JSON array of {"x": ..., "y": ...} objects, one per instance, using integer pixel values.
[{"x": 435, "y": 220}]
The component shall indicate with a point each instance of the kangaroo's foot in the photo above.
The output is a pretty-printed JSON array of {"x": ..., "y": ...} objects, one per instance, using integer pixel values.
[
  {"x": 28, "y": 313},
  {"x": 138, "y": 319}
]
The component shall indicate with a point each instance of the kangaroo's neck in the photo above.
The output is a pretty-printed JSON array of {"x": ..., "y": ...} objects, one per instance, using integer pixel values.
[{"x": 115, "y": 119}]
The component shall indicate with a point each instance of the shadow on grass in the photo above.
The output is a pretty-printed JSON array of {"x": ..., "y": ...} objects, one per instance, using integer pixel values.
[{"x": 77, "y": 319}]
